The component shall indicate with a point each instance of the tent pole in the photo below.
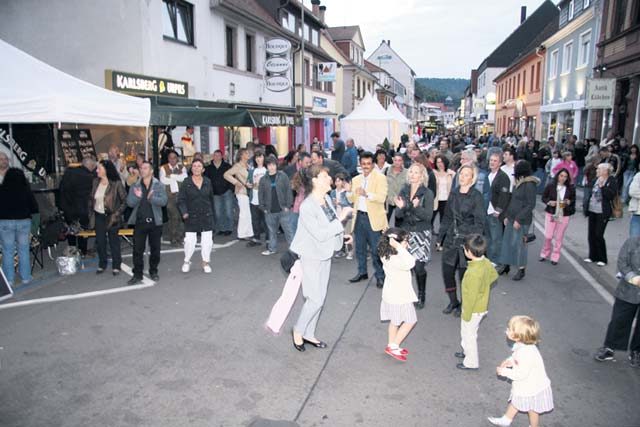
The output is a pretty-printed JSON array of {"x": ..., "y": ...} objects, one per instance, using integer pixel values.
[
  {"x": 146, "y": 142},
  {"x": 154, "y": 148}
]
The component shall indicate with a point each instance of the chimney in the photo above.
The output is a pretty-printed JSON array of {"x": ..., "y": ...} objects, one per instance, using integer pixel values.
[
  {"x": 323, "y": 10},
  {"x": 315, "y": 7},
  {"x": 523, "y": 14},
  {"x": 389, "y": 43}
]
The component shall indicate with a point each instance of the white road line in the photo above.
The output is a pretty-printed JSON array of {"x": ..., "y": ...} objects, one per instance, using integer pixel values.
[
  {"x": 176, "y": 250},
  {"x": 601, "y": 290},
  {"x": 127, "y": 270}
]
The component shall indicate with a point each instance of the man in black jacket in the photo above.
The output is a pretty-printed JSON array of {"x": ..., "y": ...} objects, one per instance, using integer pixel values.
[
  {"x": 222, "y": 194},
  {"x": 75, "y": 189},
  {"x": 496, "y": 200}
]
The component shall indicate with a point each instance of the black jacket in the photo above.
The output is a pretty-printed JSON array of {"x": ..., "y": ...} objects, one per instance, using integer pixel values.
[
  {"x": 500, "y": 194},
  {"x": 551, "y": 194},
  {"x": 468, "y": 212},
  {"x": 198, "y": 204},
  {"x": 523, "y": 200},
  {"x": 416, "y": 219},
  {"x": 75, "y": 190},
  {"x": 215, "y": 175},
  {"x": 283, "y": 190},
  {"x": 609, "y": 192},
  {"x": 17, "y": 204},
  {"x": 334, "y": 168},
  {"x": 629, "y": 266},
  {"x": 338, "y": 151}
]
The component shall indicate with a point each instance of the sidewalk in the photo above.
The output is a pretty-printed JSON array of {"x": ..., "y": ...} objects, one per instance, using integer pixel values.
[{"x": 575, "y": 241}]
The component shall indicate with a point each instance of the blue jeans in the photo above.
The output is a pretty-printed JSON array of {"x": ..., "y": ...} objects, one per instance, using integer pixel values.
[
  {"x": 494, "y": 237},
  {"x": 293, "y": 219},
  {"x": 12, "y": 231},
  {"x": 223, "y": 211},
  {"x": 634, "y": 226},
  {"x": 627, "y": 177},
  {"x": 542, "y": 176},
  {"x": 364, "y": 236},
  {"x": 273, "y": 221}
]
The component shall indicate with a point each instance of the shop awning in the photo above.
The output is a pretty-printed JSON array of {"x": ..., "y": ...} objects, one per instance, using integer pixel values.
[
  {"x": 166, "y": 111},
  {"x": 35, "y": 92}
]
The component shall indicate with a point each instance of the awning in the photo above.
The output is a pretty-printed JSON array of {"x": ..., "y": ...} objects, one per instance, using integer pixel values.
[
  {"x": 266, "y": 118},
  {"x": 166, "y": 111}
]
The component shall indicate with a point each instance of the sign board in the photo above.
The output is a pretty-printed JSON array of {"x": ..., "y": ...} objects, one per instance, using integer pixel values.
[
  {"x": 75, "y": 144},
  {"x": 5, "y": 287},
  {"x": 277, "y": 83},
  {"x": 265, "y": 119},
  {"x": 600, "y": 93},
  {"x": 327, "y": 71},
  {"x": 277, "y": 46},
  {"x": 319, "y": 102},
  {"x": 26, "y": 160},
  {"x": 137, "y": 84},
  {"x": 277, "y": 65},
  {"x": 383, "y": 58}
]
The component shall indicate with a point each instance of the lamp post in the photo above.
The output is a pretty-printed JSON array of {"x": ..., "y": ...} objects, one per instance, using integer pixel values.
[{"x": 303, "y": 71}]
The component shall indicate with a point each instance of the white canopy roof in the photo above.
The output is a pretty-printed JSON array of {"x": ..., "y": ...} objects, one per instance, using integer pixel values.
[
  {"x": 34, "y": 92},
  {"x": 369, "y": 109},
  {"x": 368, "y": 124},
  {"x": 397, "y": 114}
]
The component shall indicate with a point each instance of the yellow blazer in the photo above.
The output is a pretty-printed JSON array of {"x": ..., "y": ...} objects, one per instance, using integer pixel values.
[{"x": 376, "y": 196}]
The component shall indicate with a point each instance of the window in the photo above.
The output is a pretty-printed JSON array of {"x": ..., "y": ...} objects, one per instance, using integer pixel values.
[
  {"x": 306, "y": 32},
  {"x": 314, "y": 37},
  {"x": 357, "y": 88},
  {"x": 532, "y": 70},
  {"x": 619, "y": 15},
  {"x": 177, "y": 21},
  {"x": 307, "y": 72},
  {"x": 517, "y": 91},
  {"x": 585, "y": 48},
  {"x": 249, "y": 43},
  {"x": 524, "y": 81},
  {"x": 316, "y": 83},
  {"x": 230, "y": 46},
  {"x": 538, "y": 76},
  {"x": 289, "y": 22},
  {"x": 553, "y": 64},
  {"x": 572, "y": 8},
  {"x": 567, "y": 57},
  {"x": 586, "y": 4},
  {"x": 328, "y": 86}
]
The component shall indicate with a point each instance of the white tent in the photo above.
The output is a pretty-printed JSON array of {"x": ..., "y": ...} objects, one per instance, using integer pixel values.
[
  {"x": 401, "y": 125},
  {"x": 368, "y": 124},
  {"x": 34, "y": 92}
]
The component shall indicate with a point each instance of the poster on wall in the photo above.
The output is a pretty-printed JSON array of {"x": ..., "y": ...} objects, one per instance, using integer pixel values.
[
  {"x": 600, "y": 93},
  {"x": 327, "y": 71},
  {"x": 75, "y": 144}
]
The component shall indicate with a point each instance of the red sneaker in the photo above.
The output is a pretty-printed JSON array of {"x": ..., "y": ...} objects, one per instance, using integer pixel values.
[
  {"x": 403, "y": 351},
  {"x": 396, "y": 354}
]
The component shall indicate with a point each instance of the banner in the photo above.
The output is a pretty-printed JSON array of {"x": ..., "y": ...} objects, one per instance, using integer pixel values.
[
  {"x": 137, "y": 84},
  {"x": 327, "y": 71},
  {"x": 600, "y": 94},
  {"x": 27, "y": 161}
]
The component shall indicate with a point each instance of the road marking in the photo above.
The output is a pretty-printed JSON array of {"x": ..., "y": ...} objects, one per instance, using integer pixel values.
[
  {"x": 601, "y": 290},
  {"x": 146, "y": 283},
  {"x": 198, "y": 247}
]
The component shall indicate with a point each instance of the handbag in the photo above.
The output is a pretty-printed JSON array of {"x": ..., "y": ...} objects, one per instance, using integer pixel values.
[
  {"x": 420, "y": 245},
  {"x": 529, "y": 237},
  {"x": 287, "y": 260}
]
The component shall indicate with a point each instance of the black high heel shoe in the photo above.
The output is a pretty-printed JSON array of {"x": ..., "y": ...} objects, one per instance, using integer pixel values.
[
  {"x": 319, "y": 344},
  {"x": 300, "y": 347}
]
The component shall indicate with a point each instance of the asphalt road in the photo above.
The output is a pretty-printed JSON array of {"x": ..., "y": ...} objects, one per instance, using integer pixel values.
[{"x": 192, "y": 351}]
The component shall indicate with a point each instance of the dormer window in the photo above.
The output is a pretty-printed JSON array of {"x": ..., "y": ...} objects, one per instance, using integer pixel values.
[{"x": 571, "y": 9}]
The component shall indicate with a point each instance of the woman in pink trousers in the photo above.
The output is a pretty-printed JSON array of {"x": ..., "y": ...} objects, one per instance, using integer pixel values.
[{"x": 560, "y": 199}]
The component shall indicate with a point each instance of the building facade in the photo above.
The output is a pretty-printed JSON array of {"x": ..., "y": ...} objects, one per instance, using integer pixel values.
[{"x": 570, "y": 58}]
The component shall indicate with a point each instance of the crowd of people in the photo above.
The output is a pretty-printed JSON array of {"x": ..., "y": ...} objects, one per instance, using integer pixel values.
[{"x": 483, "y": 191}]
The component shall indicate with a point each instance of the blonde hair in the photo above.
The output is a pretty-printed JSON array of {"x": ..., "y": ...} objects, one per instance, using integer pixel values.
[
  {"x": 524, "y": 329},
  {"x": 474, "y": 174},
  {"x": 423, "y": 171}
]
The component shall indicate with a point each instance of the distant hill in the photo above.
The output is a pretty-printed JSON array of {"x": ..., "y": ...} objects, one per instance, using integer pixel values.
[{"x": 436, "y": 90}]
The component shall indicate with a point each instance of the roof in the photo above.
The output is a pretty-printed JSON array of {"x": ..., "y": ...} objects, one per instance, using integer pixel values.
[
  {"x": 254, "y": 9},
  {"x": 373, "y": 67},
  {"x": 521, "y": 37},
  {"x": 345, "y": 33},
  {"x": 396, "y": 53}
]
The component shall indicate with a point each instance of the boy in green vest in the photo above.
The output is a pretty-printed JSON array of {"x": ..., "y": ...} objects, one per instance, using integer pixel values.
[{"x": 476, "y": 284}]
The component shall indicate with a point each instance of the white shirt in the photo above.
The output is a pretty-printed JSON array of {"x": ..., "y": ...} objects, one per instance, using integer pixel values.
[
  {"x": 561, "y": 190},
  {"x": 99, "y": 198},
  {"x": 510, "y": 171},
  {"x": 258, "y": 173},
  {"x": 491, "y": 210},
  {"x": 362, "y": 201},
  {"x": 173, "y": 180}
]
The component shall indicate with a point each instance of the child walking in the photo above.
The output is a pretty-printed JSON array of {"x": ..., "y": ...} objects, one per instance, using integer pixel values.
[
  {"x": 476, "y": 286},
  {"x": 530, "y": 387},
  {"x": 398, "y": 295}
]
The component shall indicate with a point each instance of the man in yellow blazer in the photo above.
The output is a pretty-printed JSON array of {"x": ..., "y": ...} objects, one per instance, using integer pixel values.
[{"x": 369, "y": 192}]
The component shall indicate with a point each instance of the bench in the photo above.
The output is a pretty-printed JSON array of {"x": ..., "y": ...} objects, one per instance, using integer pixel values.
[{"x": 125, "y": 233}]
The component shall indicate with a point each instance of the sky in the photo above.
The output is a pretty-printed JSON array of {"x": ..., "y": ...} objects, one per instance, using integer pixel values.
[{"x": 437, "y": 38}]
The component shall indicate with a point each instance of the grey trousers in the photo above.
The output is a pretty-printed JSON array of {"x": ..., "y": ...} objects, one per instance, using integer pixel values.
[{"x": 315, "y": 280}]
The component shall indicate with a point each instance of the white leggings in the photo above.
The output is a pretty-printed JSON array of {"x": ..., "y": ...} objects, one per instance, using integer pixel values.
[{"x": 190, "y": 240}]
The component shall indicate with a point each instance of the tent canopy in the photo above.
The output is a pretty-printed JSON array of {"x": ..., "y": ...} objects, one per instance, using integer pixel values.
[
  {"x": 34, "y": 92},
  {"x": 397, "y": 114},
  {"x": 368, "y": 124}
]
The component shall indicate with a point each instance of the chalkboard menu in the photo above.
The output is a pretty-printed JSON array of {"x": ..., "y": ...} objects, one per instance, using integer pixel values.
[
  {"x": 5, "y": 288},
  {"x": 75, "y": 145}
]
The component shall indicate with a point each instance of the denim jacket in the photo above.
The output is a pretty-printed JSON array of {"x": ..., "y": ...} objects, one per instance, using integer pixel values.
[{"x": 158, "y": 200}]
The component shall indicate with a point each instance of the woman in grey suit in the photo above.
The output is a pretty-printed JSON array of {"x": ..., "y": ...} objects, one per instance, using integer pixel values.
[{"x": 319, "y": 235}]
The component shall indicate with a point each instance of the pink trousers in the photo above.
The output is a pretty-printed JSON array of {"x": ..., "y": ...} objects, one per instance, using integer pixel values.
[
  {"x": 553, "y": 230},
  {"x": 283, "y": 306}
]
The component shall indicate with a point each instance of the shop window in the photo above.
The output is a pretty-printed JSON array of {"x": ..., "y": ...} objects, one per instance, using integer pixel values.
[
  {"x": 230, "y": 46},
  {"x": 567, "y": 56},
  {"x": 585, "y": 48},
  {"x": 553, "y": 65},
  {"x": 177, "y": 21},
  {"x": 249, "y": 48}
]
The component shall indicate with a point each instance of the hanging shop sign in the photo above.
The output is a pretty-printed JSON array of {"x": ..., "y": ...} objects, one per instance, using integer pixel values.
[
  {"x": 75, "y": 144},
  {"x": 319, "y": 102},
  {"x": 277, "y": 83},
  {"x": 278, "y": 46},
  {"x": 265, "y": 119},
  {"x": 600, "y": 93},
  {"x": 277, "y": 65},
  {"x": 137, "y": 84},
  {"x": 327, "y": 71},
  {"x": 26, "y": 160}
]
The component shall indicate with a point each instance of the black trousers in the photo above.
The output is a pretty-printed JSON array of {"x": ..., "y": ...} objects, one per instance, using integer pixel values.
[
  {"x": 619, "y": 329},
  {"x": 420, "y": 272},
  {"x": 597, "y": 245},
  {"x": 258, "y": 222},
  {"x": 390, "y": 209},
  {"x": 141, "y": 233},
  {"x": 449, "y": 271},
  {"x": 102, "y": 235},
  {"x": 442, "y": 204}
]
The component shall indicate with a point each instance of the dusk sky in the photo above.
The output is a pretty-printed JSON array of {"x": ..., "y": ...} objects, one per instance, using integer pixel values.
[{"x": 437, "y": 38}]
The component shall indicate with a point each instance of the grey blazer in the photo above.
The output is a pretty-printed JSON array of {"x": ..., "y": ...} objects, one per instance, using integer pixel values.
[{"x": 316, "y": 237}]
